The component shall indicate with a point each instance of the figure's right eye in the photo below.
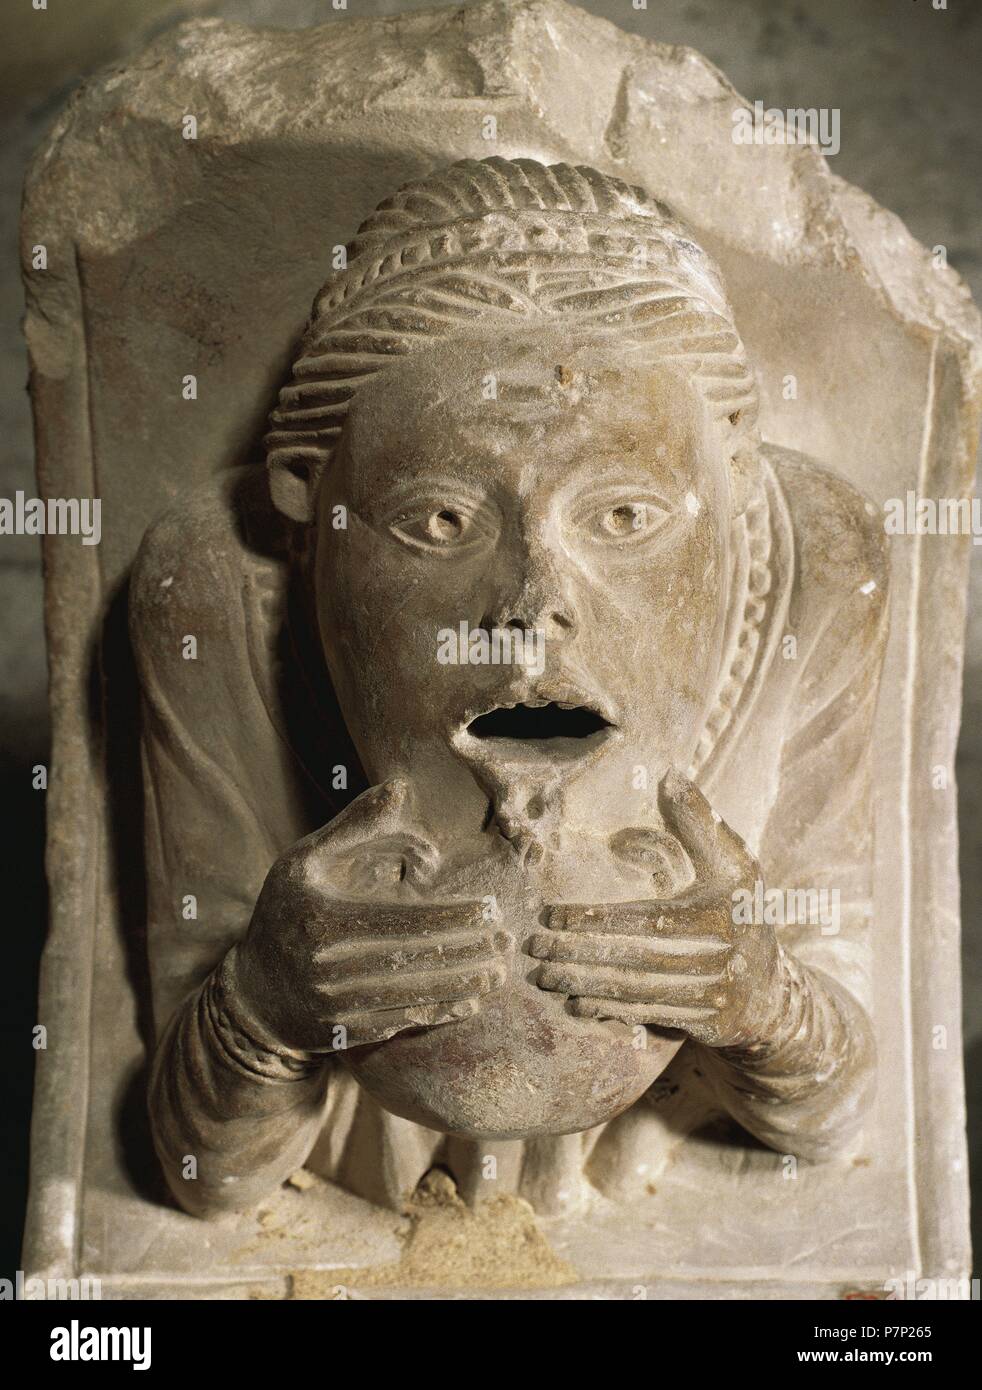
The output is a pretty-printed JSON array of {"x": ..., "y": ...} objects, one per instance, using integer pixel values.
[{"x": 441, "y": 527}]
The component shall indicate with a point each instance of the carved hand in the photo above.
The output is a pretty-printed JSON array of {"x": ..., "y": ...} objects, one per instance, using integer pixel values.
[
  {"x": 322, "y": 971},
  {"x": 678, "y": 962}
]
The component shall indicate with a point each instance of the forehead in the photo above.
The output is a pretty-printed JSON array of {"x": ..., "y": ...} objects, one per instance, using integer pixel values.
[{"x": 490, "y": 404}]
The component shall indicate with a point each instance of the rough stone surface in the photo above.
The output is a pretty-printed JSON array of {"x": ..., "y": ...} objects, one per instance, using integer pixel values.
[{"x": 298, "y": 138}]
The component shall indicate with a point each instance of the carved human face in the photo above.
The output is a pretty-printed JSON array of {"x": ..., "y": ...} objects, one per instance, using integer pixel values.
[{"x": 544, "y": 485}]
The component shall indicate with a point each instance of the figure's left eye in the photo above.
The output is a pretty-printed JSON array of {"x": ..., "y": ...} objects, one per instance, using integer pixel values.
[
  {"x": 627, "y": 518},
  {"x": 439, "y": 527},
  {"x": 621, "y": 519}
]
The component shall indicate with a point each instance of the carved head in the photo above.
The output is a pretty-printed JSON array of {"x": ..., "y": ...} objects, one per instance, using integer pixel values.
[{"x": 526, "y": 400}]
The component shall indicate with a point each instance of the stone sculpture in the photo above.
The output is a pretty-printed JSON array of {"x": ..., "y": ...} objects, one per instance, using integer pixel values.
[
  {"x": 524, "y": 406},
  {"x": 500, "y": 762}
]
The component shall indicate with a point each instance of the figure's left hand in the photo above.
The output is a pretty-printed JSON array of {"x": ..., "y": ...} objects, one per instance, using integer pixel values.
[{"x": 679, "y": 963}]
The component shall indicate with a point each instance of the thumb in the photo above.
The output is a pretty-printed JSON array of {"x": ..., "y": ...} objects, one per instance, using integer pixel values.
[
  {"x": 382, "y": 810},
  {"x": 715, "y": 850}
]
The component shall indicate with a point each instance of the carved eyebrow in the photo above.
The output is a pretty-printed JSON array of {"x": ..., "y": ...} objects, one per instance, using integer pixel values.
[
  {"x": 626, "y": 488},
  {"x": 429, "y": 489},
  {"x": 634, "y": 484}
]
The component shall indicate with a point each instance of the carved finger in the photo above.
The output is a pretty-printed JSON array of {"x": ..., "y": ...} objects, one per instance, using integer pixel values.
[
  {"x": 406, "y": 991},
  {"x": 716, "y": 851},
  {"x": 702, "y": 918},
  {"x": 692, "y": 1021},
  {"x": 351, "y": 924},
  {"x": 678, "y": 955},
  {"x": 379, "y": 811},
  {"x": 379, "y": 956},
  {"x": 632, "y": 986}
]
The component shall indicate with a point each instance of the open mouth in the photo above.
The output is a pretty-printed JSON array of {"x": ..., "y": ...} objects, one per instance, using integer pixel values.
[
  {"x": 559, "y": 726},
  {"x": 538, "y": 723}
]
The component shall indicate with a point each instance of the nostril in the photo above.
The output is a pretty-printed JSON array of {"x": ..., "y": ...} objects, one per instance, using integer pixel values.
[
  {"x": 555, "y": 624},
  {"x": 558, "y": 623}
]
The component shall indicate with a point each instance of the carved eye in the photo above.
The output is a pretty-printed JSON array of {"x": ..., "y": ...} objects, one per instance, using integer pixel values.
[
  {"x": 626, "y": 518},
  {"x": 445, "y": 526},
  {"x": 622, "y": 520},
  {"x": 440, "y": 527}
]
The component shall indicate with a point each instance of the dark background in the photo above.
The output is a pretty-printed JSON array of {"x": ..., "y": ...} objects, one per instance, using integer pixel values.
[{"x": 907, "y": 79}]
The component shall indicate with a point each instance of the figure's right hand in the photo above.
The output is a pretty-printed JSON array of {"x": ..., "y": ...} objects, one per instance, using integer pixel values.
[{"x": 322, "y": 972}]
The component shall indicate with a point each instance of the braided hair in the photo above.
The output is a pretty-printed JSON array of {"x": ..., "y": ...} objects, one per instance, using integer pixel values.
[{"x": 498, "y": 244}]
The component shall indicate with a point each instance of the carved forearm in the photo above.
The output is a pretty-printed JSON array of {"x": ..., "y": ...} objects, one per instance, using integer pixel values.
[
  {"x": 804, "y": 1087},
  {"x": 222, "y": 1093}
]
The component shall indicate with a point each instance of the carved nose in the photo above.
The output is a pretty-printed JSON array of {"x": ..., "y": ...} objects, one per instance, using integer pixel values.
[
  {"x": 555, "y": 623},
  {"x": 531, "y": 590},
  {"x": 536, "y": 609}
]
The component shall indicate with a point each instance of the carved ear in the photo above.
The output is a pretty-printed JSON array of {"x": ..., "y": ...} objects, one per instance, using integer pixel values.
[{"x": 294, "y": 476}]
